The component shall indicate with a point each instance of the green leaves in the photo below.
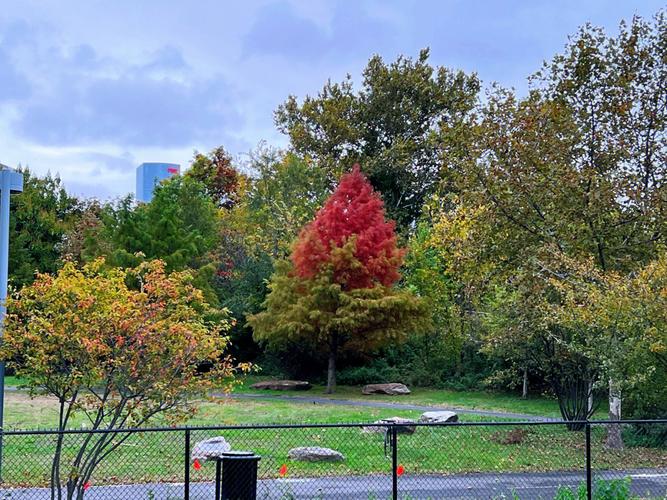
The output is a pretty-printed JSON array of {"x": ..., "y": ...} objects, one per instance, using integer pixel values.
[
  {"x": 397, "y": 127},
  {"x": 85, "y": 330},
  {"x": 39, "y": 219},
  {"x": 310, "y": 311}
]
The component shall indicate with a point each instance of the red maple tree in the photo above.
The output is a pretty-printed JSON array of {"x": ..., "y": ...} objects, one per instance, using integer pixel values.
[{"x": 353, "y": 215}]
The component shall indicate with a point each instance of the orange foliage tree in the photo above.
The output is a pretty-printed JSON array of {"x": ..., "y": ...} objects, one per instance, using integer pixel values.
[
  {"x": 337, "y": 290},
  {"x": 118, "y": 345}
]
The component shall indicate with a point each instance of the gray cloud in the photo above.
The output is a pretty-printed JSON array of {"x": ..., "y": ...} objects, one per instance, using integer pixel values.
[
  {"x": 279, "y": 30},
  {"x": 123, "y": 163},
  {"x": 13, "y": 84},
  {"x": 131, "y": 110},
  {"x": 139, "y": 107}
]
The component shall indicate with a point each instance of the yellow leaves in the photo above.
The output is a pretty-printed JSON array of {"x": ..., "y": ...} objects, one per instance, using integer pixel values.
[{"x": 97, "y": 327}]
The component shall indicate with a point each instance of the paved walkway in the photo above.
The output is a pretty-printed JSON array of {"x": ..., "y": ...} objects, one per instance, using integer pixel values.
[
  {"x": 526, "y": 486},
  {"x": 373, "y": 403}
]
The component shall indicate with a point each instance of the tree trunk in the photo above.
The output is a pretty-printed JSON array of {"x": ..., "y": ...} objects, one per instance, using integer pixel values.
[
  {"x": 614, "y": 436},
  {"x": 524, "y": 390},
  {"x": 590, "y": 397},
  {"x": 331, "y": 370}
]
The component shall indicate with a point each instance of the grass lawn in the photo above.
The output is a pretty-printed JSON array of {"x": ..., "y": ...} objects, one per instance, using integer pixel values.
[
  {"x": 159, "y": 456},
  {"x": 448, "y": 450},
  {"x": 474, "y": 400}
]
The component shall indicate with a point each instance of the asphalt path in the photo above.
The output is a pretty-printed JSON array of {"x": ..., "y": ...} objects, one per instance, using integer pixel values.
[{"x": 648, "y": 483}]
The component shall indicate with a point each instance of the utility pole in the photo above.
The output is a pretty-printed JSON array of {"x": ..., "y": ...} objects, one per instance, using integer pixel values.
[{"x": 11, "y": 181}]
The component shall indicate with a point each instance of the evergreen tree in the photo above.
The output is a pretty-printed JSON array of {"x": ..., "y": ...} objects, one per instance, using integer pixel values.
[
  {"x": 39, "y": 218},
  {"x": 336, "y": 291}
]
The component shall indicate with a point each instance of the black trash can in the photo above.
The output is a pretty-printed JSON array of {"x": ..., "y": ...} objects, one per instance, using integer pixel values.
[{"x": 239, "y": 475}]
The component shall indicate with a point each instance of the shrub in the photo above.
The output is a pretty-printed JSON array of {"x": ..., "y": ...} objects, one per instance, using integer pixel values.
[{"x": 615, "y": 489}]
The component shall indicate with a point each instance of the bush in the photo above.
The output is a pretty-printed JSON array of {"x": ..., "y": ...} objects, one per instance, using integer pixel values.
[
  {"x": 378, "y": 371},
  {"x": 616, "y": 489},
  {"x": 646, "y": 435}
]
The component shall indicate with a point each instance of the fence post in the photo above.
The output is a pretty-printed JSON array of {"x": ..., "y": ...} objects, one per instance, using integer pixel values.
[
  {"x": 186, "y": 464},
  {"x": 589, "y": 473},
  {"x": 394, "y": 462}
]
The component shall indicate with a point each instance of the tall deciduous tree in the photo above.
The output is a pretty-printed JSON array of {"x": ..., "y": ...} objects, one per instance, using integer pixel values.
[
  {"x": 398, "y": 125},
  {"x": 336, "y": 292},
  {"x": 578, "y": 165},
  {"x": 217, "y": 173},
  {"x": 119, "y": 355},
  {"x": 621, "y": 321}
]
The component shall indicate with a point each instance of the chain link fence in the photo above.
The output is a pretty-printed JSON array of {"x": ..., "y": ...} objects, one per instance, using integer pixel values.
[{"x": 492, "y": 460}]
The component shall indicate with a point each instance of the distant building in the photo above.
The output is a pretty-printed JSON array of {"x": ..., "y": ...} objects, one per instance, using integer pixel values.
[{"x": 149, "y": 175}]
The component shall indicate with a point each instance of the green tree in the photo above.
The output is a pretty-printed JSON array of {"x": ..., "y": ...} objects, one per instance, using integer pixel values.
[
  {"x": 217, "y": 173},
  {"x": 621, "y": 321},
  {"x": 336, "y": 292},
  {"x": 181, "y": 226},
  {"x": 320, "y": 315},
  {"x": 118, "y": 355},
  {"x": 282, "y": 194},
  {"x": 575, "y": 169},
  {"x": 399, "y": 126},
  {"x": 39, "y": 219}
]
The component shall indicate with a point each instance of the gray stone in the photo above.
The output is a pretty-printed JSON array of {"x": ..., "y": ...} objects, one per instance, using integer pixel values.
[
  {"x": 210, "y": 448},
  {"x": 402, "y": 429},
  {"x": 315, "y": 454},
  {"x": 438, "y": 417},
  {"x": 282, "y": 385},
  {"x": 393, "y": 389}
]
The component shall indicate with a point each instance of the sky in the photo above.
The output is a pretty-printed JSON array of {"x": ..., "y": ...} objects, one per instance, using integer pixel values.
[{"x": 90, "y": 89}]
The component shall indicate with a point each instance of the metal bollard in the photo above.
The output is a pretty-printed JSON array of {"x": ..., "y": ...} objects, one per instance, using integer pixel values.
[{"x": 239, "y": 475}]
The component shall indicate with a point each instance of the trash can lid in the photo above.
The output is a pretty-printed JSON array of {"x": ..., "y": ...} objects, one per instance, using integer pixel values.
[{"x": 237, "y": 453}]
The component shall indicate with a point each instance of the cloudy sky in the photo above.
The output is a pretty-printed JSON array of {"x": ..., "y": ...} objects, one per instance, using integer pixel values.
[{"x": 92, "y": 88}]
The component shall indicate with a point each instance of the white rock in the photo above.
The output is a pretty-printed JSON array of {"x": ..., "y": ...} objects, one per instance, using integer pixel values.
[
  {"x": 402, "y": 429},
  {"x": 438, "y": 417},
  {"x": 210, "y": 448},
  {"x": 315, "y": 454},
  {"x": 393, "y": 389}
]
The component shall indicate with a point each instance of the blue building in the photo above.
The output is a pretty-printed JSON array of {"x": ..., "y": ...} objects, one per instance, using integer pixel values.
[{"x": 149, "y": 175}]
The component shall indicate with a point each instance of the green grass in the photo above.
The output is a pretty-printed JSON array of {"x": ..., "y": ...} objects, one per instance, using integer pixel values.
[
  {"x": 11, "y": 380},
  {"x": 449, "y": 450},
  {"x": 23, "y": 412},
  {"x": 476, "y": 400}
]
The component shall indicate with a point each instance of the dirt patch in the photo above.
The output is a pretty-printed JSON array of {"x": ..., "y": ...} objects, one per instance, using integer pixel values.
[{"x": 514, "y": 436}]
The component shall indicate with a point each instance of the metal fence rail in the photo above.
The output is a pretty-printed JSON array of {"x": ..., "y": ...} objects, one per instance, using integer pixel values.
[{"x": 493, "y": 460}]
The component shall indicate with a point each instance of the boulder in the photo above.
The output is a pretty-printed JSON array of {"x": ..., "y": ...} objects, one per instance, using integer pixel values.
[
  {"x": 438, "y": 417},
  {"x": 210, "y": 448},
  {"x": 394, "y": 389},
  {"x": 282, "y": 385},
  {"x": 403, "y": 429},
  {"x": 315, "y": 454}
]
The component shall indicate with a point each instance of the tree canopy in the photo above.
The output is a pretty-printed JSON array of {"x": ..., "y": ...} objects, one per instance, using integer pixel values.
[
  {"x": 394, "y": 126},
  {"x": 336, "y": 293},
  {"x": 119, "y": 354}
]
